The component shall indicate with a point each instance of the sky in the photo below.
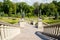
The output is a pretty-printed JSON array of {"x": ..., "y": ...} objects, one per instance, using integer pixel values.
[{"x": 30, "y": 2}]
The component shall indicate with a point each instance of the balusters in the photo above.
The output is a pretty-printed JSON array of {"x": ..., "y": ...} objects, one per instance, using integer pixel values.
[
  {"x": 59, "y": 31},
  {"x": 2, "y": 33},
  {"x": 53, "y": 30}
]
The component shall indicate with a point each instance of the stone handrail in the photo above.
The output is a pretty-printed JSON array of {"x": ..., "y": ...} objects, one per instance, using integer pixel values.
[
  {"x": 52, "y": 30},
  {"x": 8, "y": 32}
]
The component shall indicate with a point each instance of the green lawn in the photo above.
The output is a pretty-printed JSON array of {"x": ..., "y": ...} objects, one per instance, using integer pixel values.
[{"x": 9, "y": 20}]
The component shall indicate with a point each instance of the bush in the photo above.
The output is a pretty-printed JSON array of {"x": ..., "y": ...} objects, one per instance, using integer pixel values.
[
  {"x": 5, "y": 15},
  {"x": 44, "y": 17},
  {"x": 18, "y": 15},
  {"x": 51, "y": 21},
  {"x": 12, "y": 22}
]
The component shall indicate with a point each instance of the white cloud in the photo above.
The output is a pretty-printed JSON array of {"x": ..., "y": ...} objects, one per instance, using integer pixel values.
[
  {"x": 10, "y": 0},
  {"x": 17, "y": 0},
  {"x": 21, "y": 0},
  {"x": 40, "y": 1}
]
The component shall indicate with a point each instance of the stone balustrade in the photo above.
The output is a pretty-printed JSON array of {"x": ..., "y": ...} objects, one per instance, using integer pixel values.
[
  {"x": 52, "y": 30},
  {"x": 8, "y": 32}
]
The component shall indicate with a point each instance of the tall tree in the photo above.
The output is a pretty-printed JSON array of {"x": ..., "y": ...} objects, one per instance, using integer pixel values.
[
  {"x": 36, "y": 8},
  {"x": 1, "y": 7}
]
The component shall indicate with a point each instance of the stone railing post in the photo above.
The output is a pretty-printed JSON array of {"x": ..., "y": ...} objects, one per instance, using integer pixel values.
[
  {"x": 5, "y": 32},
  {"x": 40, "y": 25},
  {"x": 52, "y": 30},
  {"x": 2, "y": 33},
  {"x": 22, "y": 23}
]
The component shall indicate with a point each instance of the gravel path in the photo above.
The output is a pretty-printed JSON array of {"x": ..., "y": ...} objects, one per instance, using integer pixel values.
[{"x": 27, "y": 33}]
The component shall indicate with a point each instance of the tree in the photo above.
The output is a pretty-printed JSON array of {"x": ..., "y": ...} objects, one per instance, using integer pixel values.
[
  {"x": 42, "y": 7},
  {"x": 6, "y": 6},
  {"x": 1, "y": 7},
  {"x": 36, "y": 8},
  {"x": 14, "y": 9}
]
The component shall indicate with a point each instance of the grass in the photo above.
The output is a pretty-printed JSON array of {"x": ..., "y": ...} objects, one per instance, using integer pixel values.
[
  {"x": 35, "y": 19},
  {"x": 9, "y": 20},
  {"x": 31, "y": 19},
  {"x": 15, "y": 20},
  {"x": 51, "y": 21},
  {"x": 45, "y": 20}
]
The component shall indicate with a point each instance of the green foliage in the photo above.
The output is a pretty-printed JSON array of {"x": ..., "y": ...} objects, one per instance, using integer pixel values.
[
  {"x": 12, "y": 22},
  {"x": 9, "y": 20},
  {"x": 44, "y": 17},
  {"x": 18, "y": 15},
  {"x": 5, "y": 15},
  {"x": 14, "y": 9},
  {"x": 51, "y": 21}
]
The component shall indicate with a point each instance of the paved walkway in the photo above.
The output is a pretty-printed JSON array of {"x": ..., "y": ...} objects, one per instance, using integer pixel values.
[
  {"x": 0, "y": 37},
  {"x": 27, "y": 33}
]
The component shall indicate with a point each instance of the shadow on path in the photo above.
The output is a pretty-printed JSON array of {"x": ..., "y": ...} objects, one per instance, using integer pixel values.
[{"x": 44, "y": 37}]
